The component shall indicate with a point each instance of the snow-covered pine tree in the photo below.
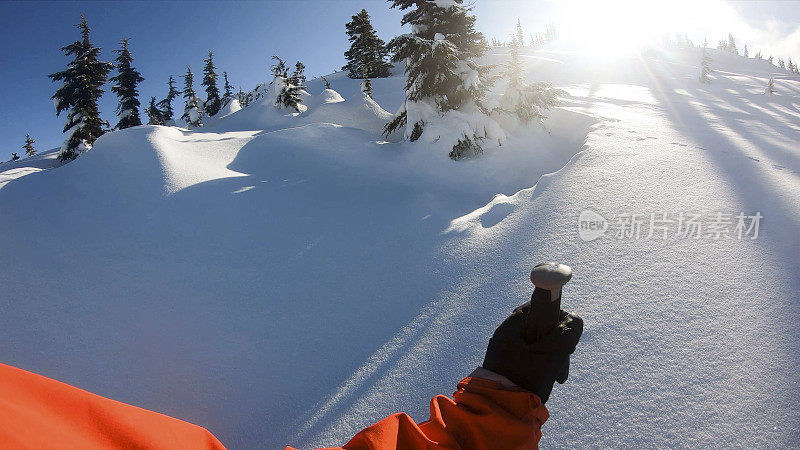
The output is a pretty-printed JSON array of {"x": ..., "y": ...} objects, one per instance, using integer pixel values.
[
  {"x": 520, "y": 36},
  {"x": 327, "y": 83},
  {"x": 366, "y": 49},
  {"x": 513, "y": 70},
  {"x": 192, "y": 112},
  {"x": 212, "y": 103},
  {"x": 769, "y": 60},
  {"x": 758, "y": 55},
  {"x": 81, "y": 88},
  {"x": 770, "y": 90},
  {"x": 366, "y": 87},
  {"x": 165, "y": 106},
  {"x": 732, "y": 44},
  {"x": 154, "y": 114},
  {"x": 298, "y": 77},
  {"x": 29, "y": 150},
  {"x": 287, "y": 95},
  {"x": 746, "y": 54},
  {"x": 445, "y": 87},
  {"x": 125, "y": 86},
  {"x": 228, "y": 95},
  {"x": 14, "y": 157},
  {"x": 781, "y": 64},
  {"x": 550, "y": 33},
  {"x": 705, "y": 67},
  {"x": 244, "y": 100},
  {"x": 527, "y": 102}
]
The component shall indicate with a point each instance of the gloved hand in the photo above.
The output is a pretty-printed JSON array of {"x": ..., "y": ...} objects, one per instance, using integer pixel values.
[{"x": 534, "y": 366}]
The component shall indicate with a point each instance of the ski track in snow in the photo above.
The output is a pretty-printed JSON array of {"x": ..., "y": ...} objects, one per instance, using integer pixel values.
[{"x": 294, "y": 284}]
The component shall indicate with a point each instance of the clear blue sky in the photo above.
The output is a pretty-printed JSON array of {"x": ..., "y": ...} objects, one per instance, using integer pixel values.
[{"x": 166, "y": 36}]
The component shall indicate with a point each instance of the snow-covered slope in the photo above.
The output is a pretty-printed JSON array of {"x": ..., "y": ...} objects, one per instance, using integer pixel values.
[
  {"x": 285, "y": 279},
  {"x": 11, "y": 170}
]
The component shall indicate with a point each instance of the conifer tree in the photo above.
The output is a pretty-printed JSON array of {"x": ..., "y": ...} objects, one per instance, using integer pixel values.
[
  {"x": 367, "y": 54},
  {"x": 242, "y": 97},
  {"x": 769, "y": 60},
  {"x": 758, "y": 55},
  {"x": 298, "y": 77},
  {"x": 228, "y": 95},
  {"x": 444, "y": 84},
  {"x": 14, "y": 157},
  {"x": 287, "y": 95},
  {"x": 520, "y": 36},
  {"x": 29, "y": 150},
  {"x": 81, "y": 88},
  {"x": 212, "y": 103},
  {"x": 746, "y": 54},
  {"x": 550, "y": 33},
  {"x": 192, "y": 113},
  {"x": 781, "y": 64},
  {"x": 327, "y": 83},
  {"x": 165, "y": 106},
  {"x": 514, "y": 68},
  {"x": 125, "y": 86},
  {"x": 770, "y": 90},
  {"x": 705, "y": 67},
  {"x": 366, "y": 87},
  {"x": 154, "y": 114},
  {"x": 732, "y": 44},
  {"x": 526, "y": 101}
]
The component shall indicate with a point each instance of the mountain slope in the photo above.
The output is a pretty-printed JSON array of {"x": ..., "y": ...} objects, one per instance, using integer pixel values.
[{"x": 292, "y": 279}]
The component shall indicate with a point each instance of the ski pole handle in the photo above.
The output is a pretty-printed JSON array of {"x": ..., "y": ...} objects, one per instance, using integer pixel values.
[{"x": 546, "y": 299}]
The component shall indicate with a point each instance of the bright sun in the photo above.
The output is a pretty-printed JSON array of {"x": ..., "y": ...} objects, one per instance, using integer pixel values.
[{"x": 622, "y": 26}]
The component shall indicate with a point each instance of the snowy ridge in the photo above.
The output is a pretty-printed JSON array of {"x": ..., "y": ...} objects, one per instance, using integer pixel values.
[{"x": 12, "y": 170}]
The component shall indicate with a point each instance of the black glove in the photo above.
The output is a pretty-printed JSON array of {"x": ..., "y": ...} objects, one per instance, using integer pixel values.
[{"x": 534, "y": 366}]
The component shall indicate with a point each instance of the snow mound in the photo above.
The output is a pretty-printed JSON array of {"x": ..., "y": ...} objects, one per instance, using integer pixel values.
[
  {"x": 330, "y": 96},
  {"x": 360, "y": 111},
  {"x": 229, "y": 108}
]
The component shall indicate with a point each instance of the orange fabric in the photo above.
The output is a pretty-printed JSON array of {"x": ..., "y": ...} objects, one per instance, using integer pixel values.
[
  {"x": 41, "y": 413},
  {"x": 482, "y": 414}
]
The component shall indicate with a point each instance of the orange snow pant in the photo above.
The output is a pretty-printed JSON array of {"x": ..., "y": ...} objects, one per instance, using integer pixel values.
[
  {"x": 482, "y": 414},
  {"x": 42, "y": 413},
  {"x": 38, "y": 412}
]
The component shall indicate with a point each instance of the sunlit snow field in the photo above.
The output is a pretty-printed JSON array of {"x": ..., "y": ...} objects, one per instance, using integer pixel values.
[{"x": 290, "y": 280}]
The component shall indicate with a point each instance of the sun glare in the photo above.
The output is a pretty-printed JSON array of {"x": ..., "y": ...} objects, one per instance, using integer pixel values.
[{"x": 619, "y": 27}]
